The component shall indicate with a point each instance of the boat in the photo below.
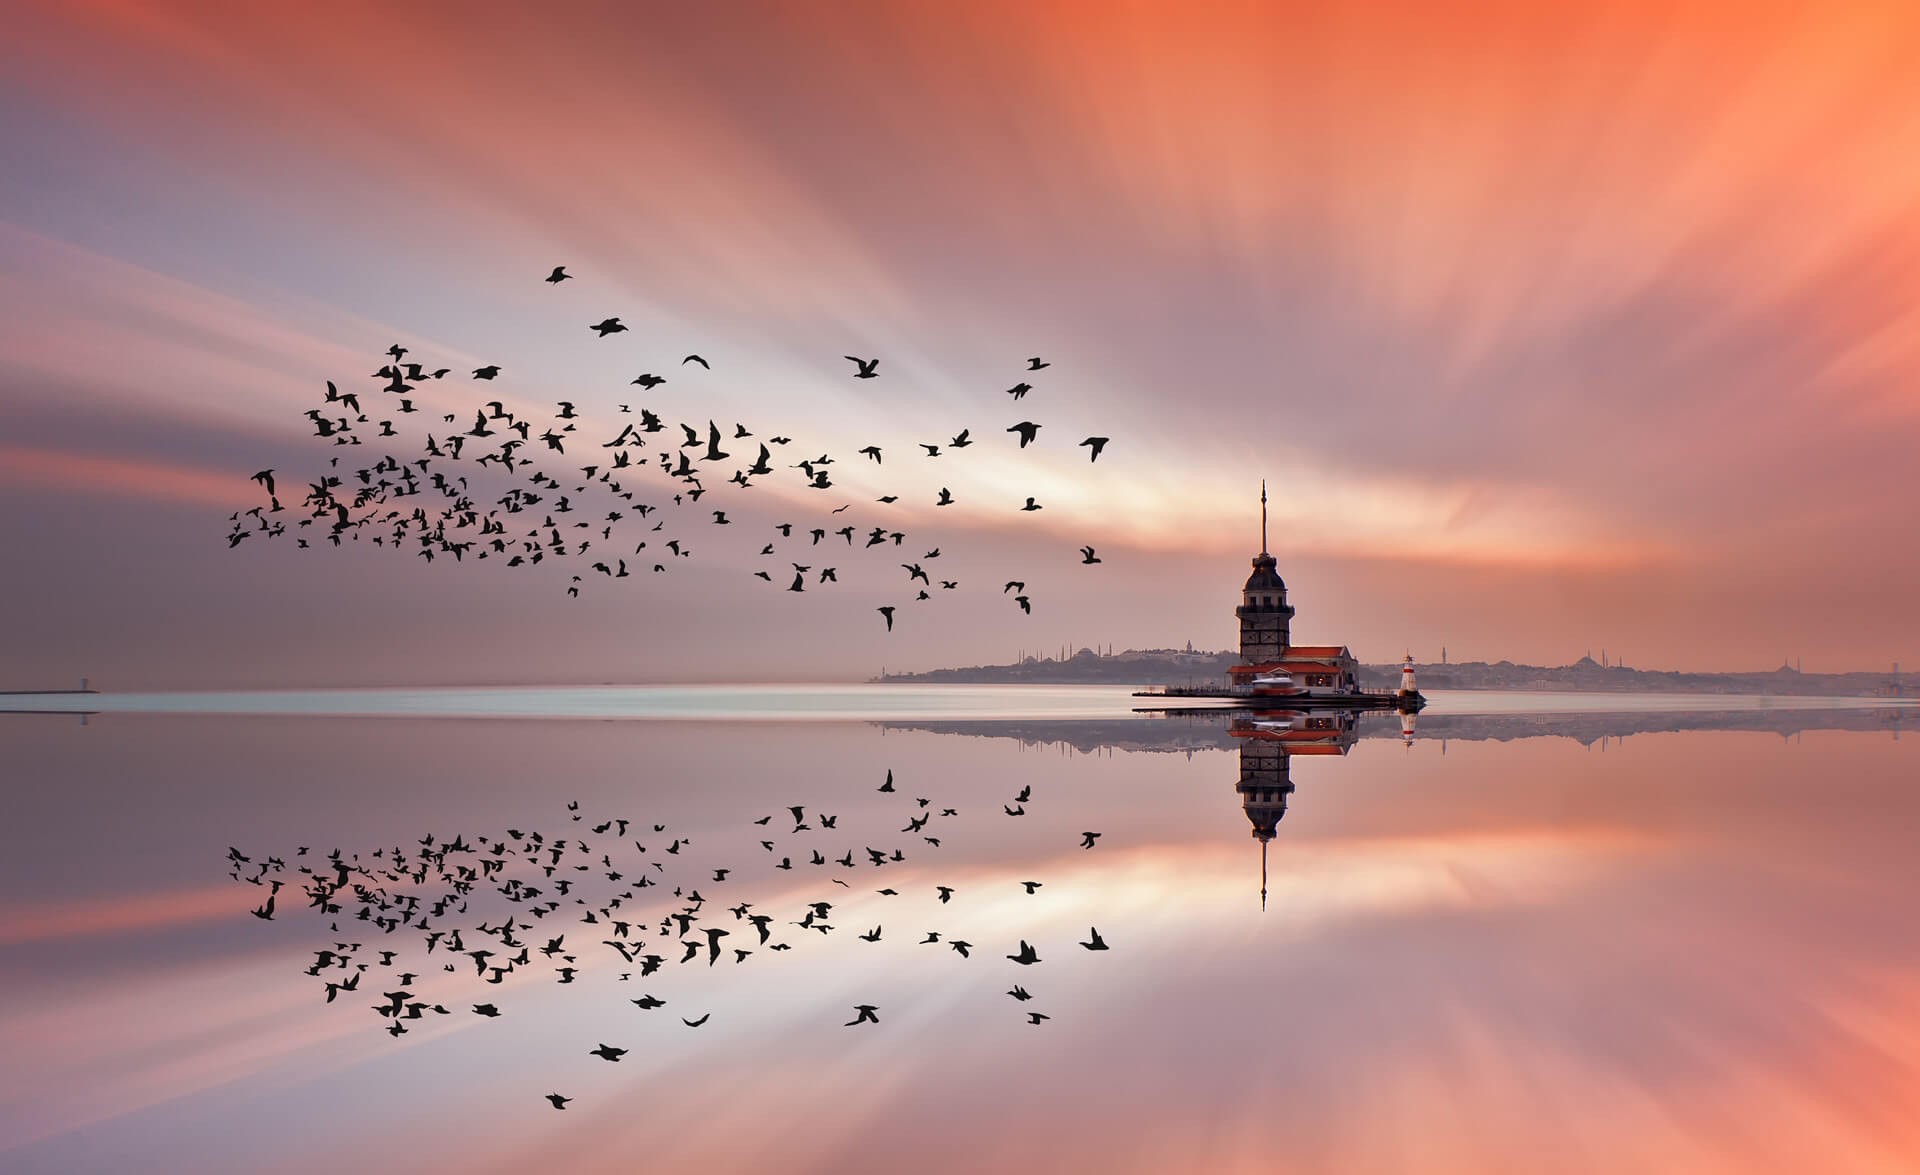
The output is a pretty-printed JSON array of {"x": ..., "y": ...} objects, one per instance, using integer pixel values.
[{"x": 1276, "y": 684}]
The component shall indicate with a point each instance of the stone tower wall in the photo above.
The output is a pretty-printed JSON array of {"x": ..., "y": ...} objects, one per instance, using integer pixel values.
[{"x": 1264, "y": 636}]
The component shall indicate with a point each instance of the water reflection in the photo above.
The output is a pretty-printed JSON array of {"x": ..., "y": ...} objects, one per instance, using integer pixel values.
[
  {"x": 1583, "y": 942},
  {"x": 1269, "y": 739}
]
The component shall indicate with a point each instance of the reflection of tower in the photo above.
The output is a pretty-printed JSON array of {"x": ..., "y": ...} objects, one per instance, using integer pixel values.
[
  {"x": 1265, "y": 783},
  {"x": 1268, "y": 742},
  {"x": 1265, "y": 617}
]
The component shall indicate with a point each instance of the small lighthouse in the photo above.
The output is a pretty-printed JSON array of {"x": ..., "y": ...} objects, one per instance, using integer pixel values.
[{"x": 1406, "y": 678}]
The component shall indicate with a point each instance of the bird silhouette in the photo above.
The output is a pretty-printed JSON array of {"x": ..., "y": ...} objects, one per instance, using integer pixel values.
[
  {"x": 696, "y": 359},
  {"x": 1027, "y": 956},
  {"x": 863, "y": 1014},
  {"x": 1095, "y": 942},
  {"x": 608, "y": 326},
  {"x": 1087, "y": 555},
  {"x": 487, "y": 372},
  {"x": 1087, "y": 839},
  {"x": 559, "y": 1103},
  {"x": 866, "y": 366},
  {"x": 1035, "y": 364},
  {"x": 886, "y": 610},
  {"x": 1027, "y": 430},
  {"x": 607, "y": 1052},
  {"x": 1097, "y": 444},
  {"x": 1031, "y": 505},
  {"x": 1019, "y": 391},
  {"x": 559, "y": 274}
]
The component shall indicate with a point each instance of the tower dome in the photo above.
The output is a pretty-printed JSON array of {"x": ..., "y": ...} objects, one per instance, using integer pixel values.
[{"x": 1266, "y": 619}]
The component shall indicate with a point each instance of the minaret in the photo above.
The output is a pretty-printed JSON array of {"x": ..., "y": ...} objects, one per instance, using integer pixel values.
[{"x": 1265, "y": 617}]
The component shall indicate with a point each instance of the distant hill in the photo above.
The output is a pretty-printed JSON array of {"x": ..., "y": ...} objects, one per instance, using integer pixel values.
[{"x": 1181, "y": 667}]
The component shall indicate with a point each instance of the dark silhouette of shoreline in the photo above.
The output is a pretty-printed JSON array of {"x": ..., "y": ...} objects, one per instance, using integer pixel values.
[{"x": 1153, "y": 667}]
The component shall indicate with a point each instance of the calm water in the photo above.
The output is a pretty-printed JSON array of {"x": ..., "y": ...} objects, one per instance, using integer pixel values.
[{"x": 1558, "y": 936}]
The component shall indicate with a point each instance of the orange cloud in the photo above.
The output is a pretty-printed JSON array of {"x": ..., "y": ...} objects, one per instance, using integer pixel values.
[{"x": 119, "y": 477}]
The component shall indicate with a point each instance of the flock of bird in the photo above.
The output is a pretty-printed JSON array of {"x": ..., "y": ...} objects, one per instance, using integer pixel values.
[
  {"x": 494, "y": 910},
  {"x": 538, "y": 505}
]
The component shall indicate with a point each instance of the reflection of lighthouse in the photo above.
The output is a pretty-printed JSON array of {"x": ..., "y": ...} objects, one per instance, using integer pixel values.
[
  {"x": 1268, "y": 742},
  {"x": 1406, "y": 727}
]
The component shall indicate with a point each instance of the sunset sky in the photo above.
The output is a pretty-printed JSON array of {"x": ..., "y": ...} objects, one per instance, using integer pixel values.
[{"x": 1551, "y": 327}]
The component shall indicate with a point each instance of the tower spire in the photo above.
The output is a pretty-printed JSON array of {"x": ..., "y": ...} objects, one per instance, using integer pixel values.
[
  {"x": 1263, "y": 873},
  {"x": 1263, "y": 516}
]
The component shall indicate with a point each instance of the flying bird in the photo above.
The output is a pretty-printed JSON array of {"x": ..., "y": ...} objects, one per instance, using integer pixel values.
[
  {"x": 1087, "y": 555},
  {"x": 866, "y": 366},
  {"x": 1097, "y": 444},
  {"x": 609, "y": 326},
  {"x": 559, "y": 274},
  {"x": 1027, "y": 430},
  {"x": 696, "y": 359}
]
